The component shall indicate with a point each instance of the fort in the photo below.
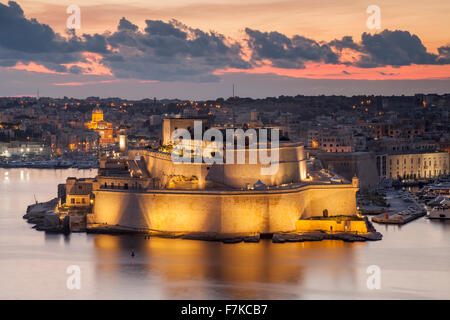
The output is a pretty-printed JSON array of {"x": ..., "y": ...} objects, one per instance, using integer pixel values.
[{"x": 145, "y": 191}]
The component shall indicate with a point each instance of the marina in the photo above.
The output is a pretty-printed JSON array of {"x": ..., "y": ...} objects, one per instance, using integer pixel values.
[
  {"x": 50, "y": 163},
  {"x": 436, "y": 197},
  {"x": 405, "y": 205},
  {"x": 440, "y": 212}
]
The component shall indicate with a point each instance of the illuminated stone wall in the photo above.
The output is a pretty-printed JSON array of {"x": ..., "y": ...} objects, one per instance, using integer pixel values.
[
  {"x": 291, "y": 168},
  {"x": 331, "y": 225},
  {"x": 160, "y": 166},
  {"x": 221, "y": 211},
  {"x": 417, "y": 165},
  {"x": 171, "y": 124}
]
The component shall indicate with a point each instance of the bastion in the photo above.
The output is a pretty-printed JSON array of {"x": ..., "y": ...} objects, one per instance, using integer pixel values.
[{"x": 146, "y": 191}]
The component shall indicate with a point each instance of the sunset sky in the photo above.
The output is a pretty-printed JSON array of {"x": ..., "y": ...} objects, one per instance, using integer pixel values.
[{"x": 197, "y": 49}]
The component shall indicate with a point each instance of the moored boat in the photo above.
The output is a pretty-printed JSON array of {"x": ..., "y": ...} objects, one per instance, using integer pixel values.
[{"x": 442, "y": 211}]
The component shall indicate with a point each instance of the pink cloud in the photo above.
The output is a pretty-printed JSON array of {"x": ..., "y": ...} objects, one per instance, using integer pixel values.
[
  {"x": 84, "y": 83},
  {"x": 33, "y": 67},
  {"x": 340, "y": 71},
  {"x": 92, "y": 66}
]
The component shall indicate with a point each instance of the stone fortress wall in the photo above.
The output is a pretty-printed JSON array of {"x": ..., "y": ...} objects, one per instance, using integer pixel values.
[
  {"x": 212, "y": 211},
  {"x": 291, "y": 168}
]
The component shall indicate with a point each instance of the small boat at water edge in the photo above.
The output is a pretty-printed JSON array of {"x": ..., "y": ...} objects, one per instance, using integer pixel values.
[{"x": 440, "y": 212}]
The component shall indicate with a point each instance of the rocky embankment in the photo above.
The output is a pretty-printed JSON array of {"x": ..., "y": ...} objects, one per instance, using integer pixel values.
[
  {"x": 278, "y": 237},
  {"x": 204, "y": 236},
  {"x": 43, "y": 217},
  {"x": 371, "y": 235},
  {"x": 320, "y": 235}
]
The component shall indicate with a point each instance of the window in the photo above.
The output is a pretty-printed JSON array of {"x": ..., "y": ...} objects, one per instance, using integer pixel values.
[{"x": 72, "y": 201}]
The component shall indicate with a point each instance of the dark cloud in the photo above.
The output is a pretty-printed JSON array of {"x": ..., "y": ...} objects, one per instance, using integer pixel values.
[
  {"x": 345, "y": 42},
  {"x": 27, "y": 40},
  {"x": 124, "y": 24},
  {"x": 162, "y": 29},
  {"x": 444, "y": 55},
  {"x": 387, "y": 48},
  {"x": 170, "y": 52},
  {"x": 394, "y": 48},
  {"x": 285, "y": 52},
  {"x": 75, "y": 70},
  {"x": 92, "y": 43},
  {"x": 388, "y": 73}
]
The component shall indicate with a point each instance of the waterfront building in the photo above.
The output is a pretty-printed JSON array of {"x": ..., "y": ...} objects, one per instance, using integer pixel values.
[
  {"x": 17, "y": 148},
  {"x": 78, "y": 192},
  {"x": 417, "y": 165}
]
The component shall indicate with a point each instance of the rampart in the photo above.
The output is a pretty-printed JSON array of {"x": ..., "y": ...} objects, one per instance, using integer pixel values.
[{"x": 221, "y": 211}]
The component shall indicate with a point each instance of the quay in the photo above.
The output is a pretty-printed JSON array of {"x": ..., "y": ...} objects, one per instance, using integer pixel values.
[
  {"x": 404, "y": 208},
  {"x": 398, "y": 218}
]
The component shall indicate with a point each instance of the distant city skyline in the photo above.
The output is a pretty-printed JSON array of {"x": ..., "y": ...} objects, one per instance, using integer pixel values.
[{"x": 193, "y": 50}]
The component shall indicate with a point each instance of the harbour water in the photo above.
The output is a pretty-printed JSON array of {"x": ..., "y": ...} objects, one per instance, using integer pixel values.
[{"x": 414, "y": 259}]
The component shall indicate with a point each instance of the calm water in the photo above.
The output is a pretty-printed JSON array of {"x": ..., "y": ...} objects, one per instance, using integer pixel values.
[{"x": 414, "y": 260}]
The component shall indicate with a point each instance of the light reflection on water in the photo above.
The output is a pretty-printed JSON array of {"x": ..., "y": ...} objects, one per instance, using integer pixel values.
[{"x": 414, "y": 260}]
